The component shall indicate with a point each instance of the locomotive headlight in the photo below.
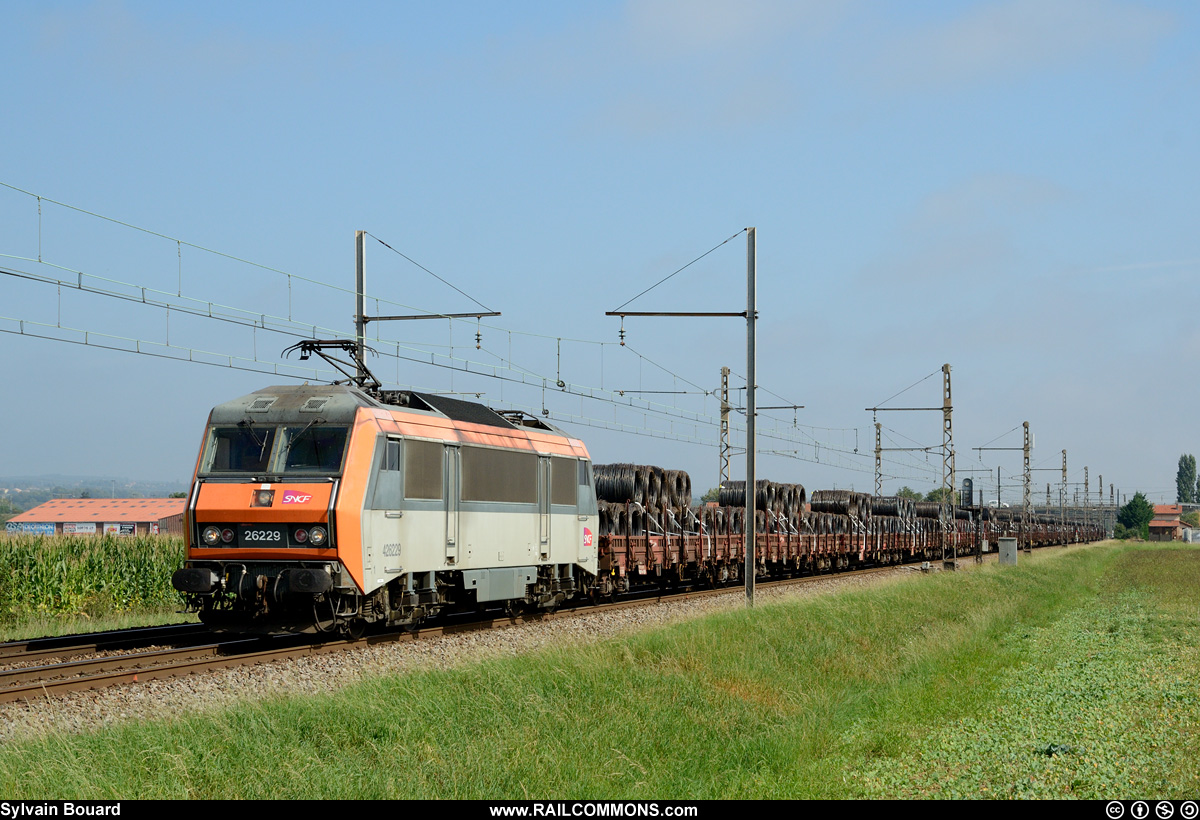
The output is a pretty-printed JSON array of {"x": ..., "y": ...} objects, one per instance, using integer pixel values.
[
  {"x": 300, "y": 535},
  {"x": 317, "y": 536},
  {"x": 263, "y": 498},
  {"x": 227, "y": 535},
  {"x": 211, "y": 536}
]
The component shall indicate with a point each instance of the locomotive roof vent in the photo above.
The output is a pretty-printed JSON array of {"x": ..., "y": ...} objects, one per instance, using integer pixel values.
[
  {"x": 261, "y": 405},
  {"x": 315, "y": 405}
]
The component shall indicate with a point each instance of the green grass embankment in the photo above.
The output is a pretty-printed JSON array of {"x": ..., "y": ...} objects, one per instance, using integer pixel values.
[{"x": 1072, "y": 675}]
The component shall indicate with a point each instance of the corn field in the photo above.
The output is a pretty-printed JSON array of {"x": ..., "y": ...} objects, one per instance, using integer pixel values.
[{"x": 86, "y": 575}]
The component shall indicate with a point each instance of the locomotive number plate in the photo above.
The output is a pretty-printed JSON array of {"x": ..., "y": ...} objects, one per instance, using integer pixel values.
[{"x": 262, "y": 535}]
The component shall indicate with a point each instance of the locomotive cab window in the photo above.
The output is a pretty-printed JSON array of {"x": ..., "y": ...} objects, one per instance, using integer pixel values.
[
  {"x": 242, "y": 449},
  {"x": 587, "y": 496},
  {"x": 311, "y": 448},
  {"x": 391, "y": 456}
]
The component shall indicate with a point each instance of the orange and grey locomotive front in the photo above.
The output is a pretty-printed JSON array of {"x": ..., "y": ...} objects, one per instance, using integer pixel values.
[{"x": 322, "y": 508}]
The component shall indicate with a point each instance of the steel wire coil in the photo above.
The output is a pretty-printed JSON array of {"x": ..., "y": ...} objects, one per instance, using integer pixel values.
[
  {"x": 892, "y": 505},
  {"x": 768, "y": 496},
  {"x": 642, "y": 484},
  {"x": 928, "y": 509},
  {"x": 842, "y": 502},
  {"x": 617, "y": 483}
]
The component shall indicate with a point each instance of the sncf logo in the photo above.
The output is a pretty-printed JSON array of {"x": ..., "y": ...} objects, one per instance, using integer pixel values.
[
  {"x": 587, "y": 537},
  {"x": 296, "y": 498}
]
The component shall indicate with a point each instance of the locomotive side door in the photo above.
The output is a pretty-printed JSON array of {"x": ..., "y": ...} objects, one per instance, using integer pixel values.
[
  {"x": 382, "y": 515},
  {"x": 452, "y": 491},
  {"x": 544, "y": 507}
]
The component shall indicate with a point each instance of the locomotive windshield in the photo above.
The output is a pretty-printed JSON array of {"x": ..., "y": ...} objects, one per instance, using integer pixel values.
[
  {"x": 239, "y": 449},
  {"x": 311, "y": 449},
  {"x": 253, "y": 449}
]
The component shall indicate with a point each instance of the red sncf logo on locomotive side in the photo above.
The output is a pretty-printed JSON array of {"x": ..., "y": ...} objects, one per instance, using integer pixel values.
[{"x": 296, "y": 498}]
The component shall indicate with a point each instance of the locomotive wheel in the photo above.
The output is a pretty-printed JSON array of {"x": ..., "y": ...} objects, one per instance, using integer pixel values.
[{"x": 353, "y": 629}]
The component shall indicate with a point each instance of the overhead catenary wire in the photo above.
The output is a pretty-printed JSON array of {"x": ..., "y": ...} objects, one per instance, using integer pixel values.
[
  {"x": 427, "y": 270},
  {"x": 910, "y": 387},
  {"x": 680, "y": 270},
  {"x": 211, "y": 310},
  {"x": 506, "y": 371},
  {"x": 178, "y": 353},
  {"x": 180, "y": 243},
  {"x": 289, "y": 324},
  {"x": 311, "y": 330},
  {"x": 1002, "y": 435},
  {"x": 138, "y": 346}
]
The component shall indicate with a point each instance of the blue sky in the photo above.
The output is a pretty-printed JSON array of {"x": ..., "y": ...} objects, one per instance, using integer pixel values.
[{"x": 1008, "y": 186}]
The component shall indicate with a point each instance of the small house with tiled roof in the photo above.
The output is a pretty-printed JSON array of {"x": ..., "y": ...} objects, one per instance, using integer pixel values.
[{"x": 1166, "y": 525}]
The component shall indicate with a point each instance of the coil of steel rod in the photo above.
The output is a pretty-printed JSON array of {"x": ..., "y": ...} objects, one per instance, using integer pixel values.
[
  {"x": 891, "y": 505},
  {"x": 842, "y": 502},
  {"x": 768, "y": 495},
  {"x": 928, "y": 509},
  {"x": 649, "y": 486}
]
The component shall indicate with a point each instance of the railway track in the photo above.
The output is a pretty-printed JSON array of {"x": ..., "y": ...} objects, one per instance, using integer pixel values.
[
  {"x": 50, "y": 667},
  {"x": 119, "y": 640}
]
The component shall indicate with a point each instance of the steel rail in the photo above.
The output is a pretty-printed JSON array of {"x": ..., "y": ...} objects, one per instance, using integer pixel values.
[{"x": 82, "y": 644}]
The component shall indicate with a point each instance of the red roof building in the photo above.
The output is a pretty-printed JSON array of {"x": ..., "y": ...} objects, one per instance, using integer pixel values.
[
  {"x": 1166, "y": 525},
  {"x": 97, "y": 516}
]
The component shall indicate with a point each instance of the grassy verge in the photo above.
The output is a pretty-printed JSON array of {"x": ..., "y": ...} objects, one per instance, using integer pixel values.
[
  {"x": 954, "y": 684},
  {"x": 65, "y": 584},
  {"x": 1105, "y": 701}
]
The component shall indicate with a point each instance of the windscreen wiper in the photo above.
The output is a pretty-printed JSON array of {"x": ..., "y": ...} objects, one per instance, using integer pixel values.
[
  {"x": 299, "y": 436},
  {"x": 262, "y": 445}
]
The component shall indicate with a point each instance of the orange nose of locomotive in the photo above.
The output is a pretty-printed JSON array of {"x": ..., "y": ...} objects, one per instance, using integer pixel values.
[{"x": 287, "y": 520}]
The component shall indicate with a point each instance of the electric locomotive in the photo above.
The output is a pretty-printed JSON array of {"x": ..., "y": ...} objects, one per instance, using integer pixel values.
[{"x": 325, "y": 508}]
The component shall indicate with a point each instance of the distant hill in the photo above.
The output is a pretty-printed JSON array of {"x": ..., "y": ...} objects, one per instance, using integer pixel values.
[{"x": 24, "y": 492}]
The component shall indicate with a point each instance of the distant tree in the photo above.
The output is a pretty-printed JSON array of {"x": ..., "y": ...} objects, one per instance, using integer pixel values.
[
  {"x": 713, "y": 494},
  {"x": 1192, "y": 519},
  {"x": 8, "y": 510},
  {"x": 1185, "y": 480},
  {"x": 184, "y": 495},
  {"x": 85, "y": 494},
  {"x": 1137, "y": 515},
  {"x": 938, "y": 493},
  {"x": 910, "y": 494}
]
